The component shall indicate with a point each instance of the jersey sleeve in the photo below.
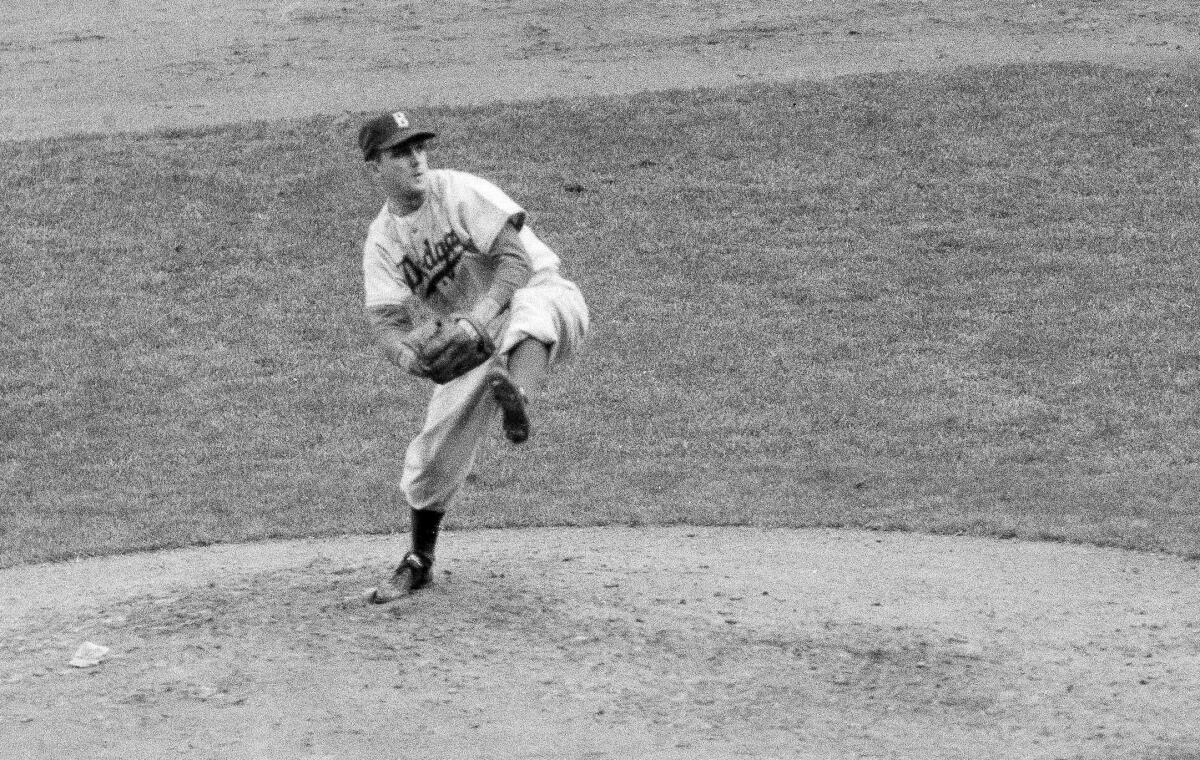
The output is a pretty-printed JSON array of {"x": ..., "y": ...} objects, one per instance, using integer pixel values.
[
  {"x": 382, "y": 281},
  {"x": 483, "y": 209}
]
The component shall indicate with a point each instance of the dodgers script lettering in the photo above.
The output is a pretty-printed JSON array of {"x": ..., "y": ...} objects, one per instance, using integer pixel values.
[{"x": 436, "y": 266}]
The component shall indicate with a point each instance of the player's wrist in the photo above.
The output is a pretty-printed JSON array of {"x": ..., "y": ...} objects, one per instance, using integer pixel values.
[
  {"x": 469, "y": 327},
  {"x": 486, "y": 310}
]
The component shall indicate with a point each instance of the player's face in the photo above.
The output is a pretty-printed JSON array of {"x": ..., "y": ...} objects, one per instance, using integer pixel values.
[{"x": 403, "y": 170}]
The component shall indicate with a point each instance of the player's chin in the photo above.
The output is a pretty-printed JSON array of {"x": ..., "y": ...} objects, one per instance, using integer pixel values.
[
  {"x": 408, "y": 187},
  {"x": 415, "y": 185}
]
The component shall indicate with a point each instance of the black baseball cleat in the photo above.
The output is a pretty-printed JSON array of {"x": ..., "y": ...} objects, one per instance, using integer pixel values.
[
  {"x": 413, "y": 574},
  {"x": 511, "y": 399}
]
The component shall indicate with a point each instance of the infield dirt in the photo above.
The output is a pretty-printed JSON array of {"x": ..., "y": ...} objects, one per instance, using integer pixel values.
[{"x": 646, "y": 643}]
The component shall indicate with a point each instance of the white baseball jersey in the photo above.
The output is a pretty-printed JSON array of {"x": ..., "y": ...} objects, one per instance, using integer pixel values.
[{"x": 440, "y": 252}]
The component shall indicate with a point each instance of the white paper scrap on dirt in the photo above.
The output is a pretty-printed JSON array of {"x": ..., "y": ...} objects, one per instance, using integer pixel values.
[{"x": 88, "y": 655}]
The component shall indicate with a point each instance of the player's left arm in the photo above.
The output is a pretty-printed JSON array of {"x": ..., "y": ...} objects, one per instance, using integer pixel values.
[{"x": 513, "y": 271}]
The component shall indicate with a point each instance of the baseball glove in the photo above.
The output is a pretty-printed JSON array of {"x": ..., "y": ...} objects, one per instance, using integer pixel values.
[{"x": 452, "y": 351}]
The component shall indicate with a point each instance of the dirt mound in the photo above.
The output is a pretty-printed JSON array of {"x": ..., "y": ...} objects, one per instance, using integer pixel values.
[{"x": 664, "y": 643}]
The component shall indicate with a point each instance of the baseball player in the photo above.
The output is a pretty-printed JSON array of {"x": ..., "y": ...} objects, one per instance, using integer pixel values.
[{"x": 460, "y": 291}]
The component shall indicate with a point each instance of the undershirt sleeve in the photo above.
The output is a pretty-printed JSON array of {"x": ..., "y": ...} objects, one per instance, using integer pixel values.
[{"x": 512, "y": 273}]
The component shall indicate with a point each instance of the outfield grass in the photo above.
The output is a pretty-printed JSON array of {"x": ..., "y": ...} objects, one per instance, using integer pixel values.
[{"x": 957, "y": 303}]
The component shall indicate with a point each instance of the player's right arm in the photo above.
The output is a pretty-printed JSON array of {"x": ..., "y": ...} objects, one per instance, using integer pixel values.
[
  {"x": 391, "y": 307},
  {"x": 392, "y": 326}
]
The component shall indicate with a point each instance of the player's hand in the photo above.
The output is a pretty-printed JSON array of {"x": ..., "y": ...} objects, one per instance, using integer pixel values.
[{"x": 414, "y": 366}]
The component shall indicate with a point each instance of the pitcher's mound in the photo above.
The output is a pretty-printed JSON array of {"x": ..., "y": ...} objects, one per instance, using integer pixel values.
[{"x": 609, "y": 643}]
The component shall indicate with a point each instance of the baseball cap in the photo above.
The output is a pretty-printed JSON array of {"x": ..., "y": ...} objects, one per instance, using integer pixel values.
[{"x": 387, "y": 131}]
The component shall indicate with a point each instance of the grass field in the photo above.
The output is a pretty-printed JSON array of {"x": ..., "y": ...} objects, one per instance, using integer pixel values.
[{"x": 958, "y": 303}]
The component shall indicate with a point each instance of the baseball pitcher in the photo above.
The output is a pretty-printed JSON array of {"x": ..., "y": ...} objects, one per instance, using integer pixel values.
[{"x": 461, "y": 292}]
